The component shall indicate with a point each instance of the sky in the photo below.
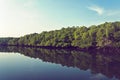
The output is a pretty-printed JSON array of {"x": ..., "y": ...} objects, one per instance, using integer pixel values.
[{"x": 21, "y": 17}]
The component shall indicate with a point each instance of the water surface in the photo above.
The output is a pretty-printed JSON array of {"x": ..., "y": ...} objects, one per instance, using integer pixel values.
[{"x": 52, "y": 64}]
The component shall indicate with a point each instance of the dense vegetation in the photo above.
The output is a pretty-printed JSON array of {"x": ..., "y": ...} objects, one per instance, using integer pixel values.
[
  {"x": 4, "y": 41},
  {"x": 107, "y": 34}
]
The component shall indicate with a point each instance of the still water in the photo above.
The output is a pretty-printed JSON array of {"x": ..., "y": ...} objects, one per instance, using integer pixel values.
[{"x": 53, "y": 64}]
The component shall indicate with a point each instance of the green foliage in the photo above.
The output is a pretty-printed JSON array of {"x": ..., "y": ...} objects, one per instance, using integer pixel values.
[{"x": 106, "y": 34}]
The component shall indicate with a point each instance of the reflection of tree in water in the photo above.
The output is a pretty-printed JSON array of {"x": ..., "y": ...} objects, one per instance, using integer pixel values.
[{"x": 105, "y": 62}]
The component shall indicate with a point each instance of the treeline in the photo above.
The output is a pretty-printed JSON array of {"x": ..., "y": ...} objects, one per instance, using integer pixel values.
[
  {"x": 4, "y": 41},
  {"x": 107, "y": 34}
]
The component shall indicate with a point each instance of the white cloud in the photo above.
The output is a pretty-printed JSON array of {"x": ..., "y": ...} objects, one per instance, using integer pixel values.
[
  {"x": 97, "y": 9},
  {"x": 101, "y": 11},
  {"x": 112, "y": 12}
]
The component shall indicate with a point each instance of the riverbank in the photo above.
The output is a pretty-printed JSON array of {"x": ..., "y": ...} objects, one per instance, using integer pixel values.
[{"x": 107, "y": 48}]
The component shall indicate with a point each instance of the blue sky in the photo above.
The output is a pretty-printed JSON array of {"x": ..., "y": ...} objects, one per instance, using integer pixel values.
[{"x": 20, "y": 17}]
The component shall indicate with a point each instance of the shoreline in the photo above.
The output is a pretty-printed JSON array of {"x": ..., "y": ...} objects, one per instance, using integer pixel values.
[{"x": 68, "y": 48}]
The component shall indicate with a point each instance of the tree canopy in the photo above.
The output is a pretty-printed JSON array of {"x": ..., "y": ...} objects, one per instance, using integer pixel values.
[{"x": 106, "y": 34}]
